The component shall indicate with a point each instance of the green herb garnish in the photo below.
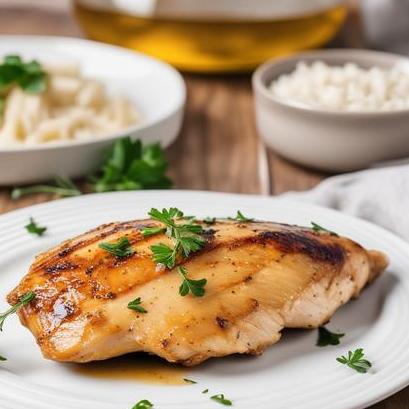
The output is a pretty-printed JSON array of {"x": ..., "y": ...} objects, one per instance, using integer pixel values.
[
  {"x": 205, "y": 391},
  {"x": 151, "y": 231},
  {"x": 185, "y": 236},
  {"x": 121, "y": 248},
  {"x": 143, "y": 404},
  {"x": 34, "y": 228},
  {"x": 63, "y": 187},
  {"x": 317, "y": 228},
  {"x": 241, "y": 218},
  {"x": 355, "y": 361},
  {"x": 326, "y": 337},
  {"x": 221, "y": 399},
  {"x": 163, "y": 254},
  {"x": 2, "y": 358},
  {"x": 132, "y": 166},
  {"x": 128, "y": 166},
  {"x": 28, "y": 75},
  {"x": 24, "y": 300},
  {"x": 196, "y": 287},
  {"x": 136, "y": 305},
  {"x": 189, "y": 381}
]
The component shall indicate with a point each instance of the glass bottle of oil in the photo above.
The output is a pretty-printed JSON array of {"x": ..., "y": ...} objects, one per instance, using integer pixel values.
[{"x": 212, "y": 35}]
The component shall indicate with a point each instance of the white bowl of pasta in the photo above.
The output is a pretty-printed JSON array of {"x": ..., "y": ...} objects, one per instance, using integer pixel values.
[{"x": 64, "y": 101}]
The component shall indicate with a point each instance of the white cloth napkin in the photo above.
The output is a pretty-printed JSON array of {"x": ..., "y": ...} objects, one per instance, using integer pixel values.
[{"x": 379, "y": 195}]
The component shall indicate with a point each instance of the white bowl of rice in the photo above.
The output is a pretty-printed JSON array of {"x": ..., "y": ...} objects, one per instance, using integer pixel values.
[{"x": 334, "y": 110}]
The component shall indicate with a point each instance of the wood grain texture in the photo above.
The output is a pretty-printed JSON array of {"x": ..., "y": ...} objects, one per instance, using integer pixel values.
[{"x": 218, "y": 146}]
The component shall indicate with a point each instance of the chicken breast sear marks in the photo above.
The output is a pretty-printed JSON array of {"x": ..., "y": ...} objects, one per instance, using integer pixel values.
[{"x": 261, "y": 278}]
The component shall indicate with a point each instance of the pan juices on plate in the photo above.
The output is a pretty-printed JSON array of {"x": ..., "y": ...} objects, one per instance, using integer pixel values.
[{"x": 188, "y": 290}]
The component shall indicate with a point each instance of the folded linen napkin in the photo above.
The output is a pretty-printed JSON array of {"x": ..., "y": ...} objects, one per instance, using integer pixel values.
[{"x": 378, "y": 195}]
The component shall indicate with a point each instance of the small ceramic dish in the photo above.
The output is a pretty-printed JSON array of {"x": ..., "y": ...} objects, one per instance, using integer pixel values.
[
  {"x": 156, "y": 89},
  {"x": 329, "y": 140}
]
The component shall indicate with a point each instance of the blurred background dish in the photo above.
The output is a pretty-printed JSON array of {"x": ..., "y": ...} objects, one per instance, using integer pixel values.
[
  {"x": 212, "y": 35},
  {"x": 331, "y": 140},
  {"x": 154, "y": 88}
]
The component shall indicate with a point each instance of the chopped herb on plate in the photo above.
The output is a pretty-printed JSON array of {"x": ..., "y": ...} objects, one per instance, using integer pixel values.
[
  {"x": 355, "y": 360},
  {"x": 221, "y": 399},
  {"x": 122, "y": 248},
  {"x": 326, "y": 337},
  {"x": 143, "y": 404},
  {"x": 189, "y": 381},
  {"x": 34, "y": 228},
  {"x": 317, "y": 228},
  {"x": 241, "y": 218},
  {"x": 196, "y": 287},
  {"x": 136, "y": 305}
]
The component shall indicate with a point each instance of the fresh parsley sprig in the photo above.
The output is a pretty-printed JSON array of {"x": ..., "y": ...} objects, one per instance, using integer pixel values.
[
  {"x": 326, "y": 337},
  {"x": 29, "y": 76},
  {"x": 24, "y": 300},
  {"x": 356, "y": 361},
  {"x": 317, "y": 228},
  {"x": 185, "y": 236},
  {"x": 143, "y": 404},
  {"x": 34, "y": 228},
  {"x": 221, "y": 399},
  {"x": 63, "y": 187},
  {"x": 136, "y": 305},
  {"x": 130, "y": 165},
  {"x": 195, "y": 287},
  {"x": 241, "y": 218},
  {"x": 121, "y": 248}
]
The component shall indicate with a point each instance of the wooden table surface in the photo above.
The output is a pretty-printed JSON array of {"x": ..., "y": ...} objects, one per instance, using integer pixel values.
[{"x": 218, "y": 148}]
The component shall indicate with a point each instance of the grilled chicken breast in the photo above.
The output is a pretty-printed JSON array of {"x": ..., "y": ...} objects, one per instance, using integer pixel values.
[{"x": 261, "y": 278}]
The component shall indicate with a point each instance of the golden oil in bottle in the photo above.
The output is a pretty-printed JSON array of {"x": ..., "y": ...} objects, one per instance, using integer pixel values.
[{"x": 212, "y": 35}]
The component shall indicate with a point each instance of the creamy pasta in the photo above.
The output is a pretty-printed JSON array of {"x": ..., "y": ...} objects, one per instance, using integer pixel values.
[{"x": 72, "y": 108}]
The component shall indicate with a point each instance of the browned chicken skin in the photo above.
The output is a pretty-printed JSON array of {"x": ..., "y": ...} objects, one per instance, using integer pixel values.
[{"x": 261, "y": 278}]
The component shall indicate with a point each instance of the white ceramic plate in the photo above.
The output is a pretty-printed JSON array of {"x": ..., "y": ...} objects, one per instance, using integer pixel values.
[
  {"x": 291, "y": 374},
  {"x": 157, "y": 90}
]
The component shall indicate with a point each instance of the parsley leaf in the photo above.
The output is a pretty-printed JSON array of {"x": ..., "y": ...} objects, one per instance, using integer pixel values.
[
  {"x": 132, "y": 166},
  {"x": 186, "y": 236},
  {"x": 326, "y": 337},
  {"x": 121, "y": 248},
  {"x": 63, "y": 187},
  {"x": 28, "y": 75},
  {"x": 355, "y": 361},
  {"x": 143, "y": 404},
  {"x": 196, "y": 287},
  {"x": 34, "y": 228},
  {"x": 189, "y": 381},
  {"x": 241, "y": 218},
  {"x": 163, "y": 254},
  {"x": 24, "y": 300},
  {"x": 151, "y": 231},
  {"x": 221, "y": 399},
  {"x": 2, "y": 358},
  {"x": 317, "y": 228},
  {"x": 135, "y": 305},
  {"x": 205, "y": 391}
]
